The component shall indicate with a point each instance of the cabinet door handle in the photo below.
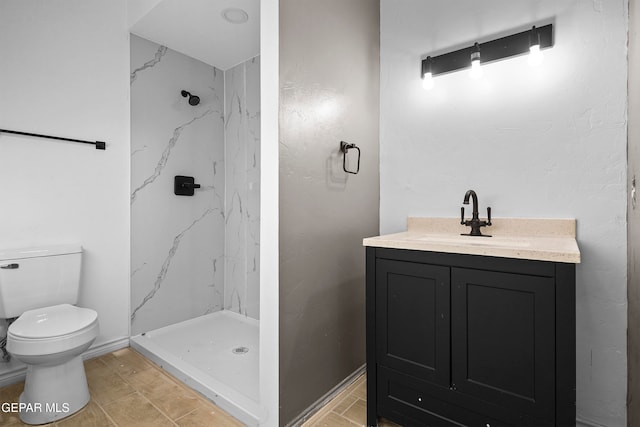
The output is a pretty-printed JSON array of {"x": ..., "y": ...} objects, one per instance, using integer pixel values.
[{"x": 10, "y": 266}]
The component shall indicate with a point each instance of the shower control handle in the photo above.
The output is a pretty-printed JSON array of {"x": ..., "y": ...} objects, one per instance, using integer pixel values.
[
  {"x": 10, "y": 266},
  {"x": 184, "y": 185}
]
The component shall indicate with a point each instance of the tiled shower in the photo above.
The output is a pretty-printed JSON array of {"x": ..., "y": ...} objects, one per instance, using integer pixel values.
[{"x": 193, "y": 256}]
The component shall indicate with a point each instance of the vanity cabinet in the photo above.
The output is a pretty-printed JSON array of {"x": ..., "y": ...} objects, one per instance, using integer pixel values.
[{"x": 469, "y": 340}]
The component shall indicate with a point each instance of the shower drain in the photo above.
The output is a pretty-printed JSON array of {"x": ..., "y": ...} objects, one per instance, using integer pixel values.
[{"x": 240, "y": 350}]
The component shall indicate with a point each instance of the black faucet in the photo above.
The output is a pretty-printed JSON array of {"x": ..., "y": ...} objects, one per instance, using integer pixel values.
[{"x": 475, "y": 222}]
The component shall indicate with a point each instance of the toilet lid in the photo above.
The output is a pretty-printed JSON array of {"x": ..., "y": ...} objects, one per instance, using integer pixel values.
[{"x": 52, "y": 321}]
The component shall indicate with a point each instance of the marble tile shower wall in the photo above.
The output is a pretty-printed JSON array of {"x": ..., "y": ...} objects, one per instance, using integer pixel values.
[
  {"x": 242, "y": 174},
  {"x": 193, "y": 255},
  {"x": 177, "y": 242}
]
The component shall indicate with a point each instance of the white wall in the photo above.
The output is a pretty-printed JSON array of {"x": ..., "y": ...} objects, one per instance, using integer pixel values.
[
  {"x": 545, "y": 142},
  {"x": 137, "y": 9},
  {"x": 65, "y": 71},
  {"x": 269, "y": 212}
]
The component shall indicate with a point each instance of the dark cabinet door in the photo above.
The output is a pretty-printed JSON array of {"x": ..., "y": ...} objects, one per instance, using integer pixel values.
[
  {"x": 503, "y": 340},
  {"x": 412, "y": 319}
]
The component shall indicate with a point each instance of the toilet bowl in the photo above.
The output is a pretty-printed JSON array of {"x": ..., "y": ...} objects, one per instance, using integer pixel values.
[{"x": 50, "y": 341}]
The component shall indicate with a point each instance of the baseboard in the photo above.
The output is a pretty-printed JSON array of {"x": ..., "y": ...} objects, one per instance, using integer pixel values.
[
  {"x": 105, "y": 348},
  {"x": 18, "y": 374},
  {"x": 581, "y": 422},
  {"x": 12, "y": 377},
  {"x": 318, "y": 404}
]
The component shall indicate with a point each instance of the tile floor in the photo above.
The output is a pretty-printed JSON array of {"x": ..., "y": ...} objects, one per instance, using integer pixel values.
[
  {"x": 128, "y": 390},
  {"x": 347, "y": 409}
]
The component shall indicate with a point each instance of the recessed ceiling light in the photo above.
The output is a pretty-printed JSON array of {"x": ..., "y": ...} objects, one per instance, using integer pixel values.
[{"x": 235, "y": 15}]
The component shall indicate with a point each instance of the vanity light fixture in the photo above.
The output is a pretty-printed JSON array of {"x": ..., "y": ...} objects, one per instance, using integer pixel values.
[{"x": 531, "y": 41}]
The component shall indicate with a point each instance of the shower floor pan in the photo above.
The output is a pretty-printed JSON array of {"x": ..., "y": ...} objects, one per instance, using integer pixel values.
[{"x": 215, "y": 354}]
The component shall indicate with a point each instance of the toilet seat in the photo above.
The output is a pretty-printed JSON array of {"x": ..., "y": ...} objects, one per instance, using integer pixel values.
[
  {"x": 53, "y": 321},
  {"x": 51, "y": 330}
]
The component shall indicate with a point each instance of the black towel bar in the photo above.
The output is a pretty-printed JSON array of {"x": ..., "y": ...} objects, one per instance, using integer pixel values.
[{"x": 100, "y": 145}]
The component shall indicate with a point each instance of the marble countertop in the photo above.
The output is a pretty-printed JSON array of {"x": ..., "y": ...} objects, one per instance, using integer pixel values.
[{"x": 522, "y": 238}]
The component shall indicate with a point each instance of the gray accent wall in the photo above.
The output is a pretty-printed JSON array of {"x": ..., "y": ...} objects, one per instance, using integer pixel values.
[
  {"x": 329, "y": 91},
  {"x": 633, "y": 218}
]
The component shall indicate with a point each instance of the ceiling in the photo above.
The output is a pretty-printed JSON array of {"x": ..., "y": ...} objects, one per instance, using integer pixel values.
[{"x": 197, "y": 28}]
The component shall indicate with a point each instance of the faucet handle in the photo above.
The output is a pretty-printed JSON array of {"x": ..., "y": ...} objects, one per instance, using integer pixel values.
[
  {"x": 462, "y": 215},
  {"x": 489, "y": 215}
]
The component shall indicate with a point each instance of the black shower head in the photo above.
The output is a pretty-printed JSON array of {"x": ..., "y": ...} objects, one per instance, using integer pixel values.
[{"x": 193, "y": 99}]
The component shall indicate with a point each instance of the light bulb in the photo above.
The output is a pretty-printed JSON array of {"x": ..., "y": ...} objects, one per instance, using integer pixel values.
[
  {"x": 535, "y": 55},
  {"x": 476, "y": 69},
  {"x": 427, "y": 81}
]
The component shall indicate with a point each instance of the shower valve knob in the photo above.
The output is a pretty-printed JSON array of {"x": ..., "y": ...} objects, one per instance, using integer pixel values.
[{"x": 184, "y": 185}]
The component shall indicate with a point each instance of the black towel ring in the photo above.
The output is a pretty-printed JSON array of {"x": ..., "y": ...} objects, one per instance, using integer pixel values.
[{"x": 345, "y": 147}]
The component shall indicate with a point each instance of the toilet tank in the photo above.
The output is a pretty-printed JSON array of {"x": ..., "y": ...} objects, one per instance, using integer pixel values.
[{"x": 38, "y": 277}]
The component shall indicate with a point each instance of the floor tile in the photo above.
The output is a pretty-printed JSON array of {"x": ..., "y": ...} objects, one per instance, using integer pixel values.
[
  {"x": 94, "y": 363},
  {"x": 105, "y": 385},
  {"x": 333, "y": 420},
  {"x": 357, "y": 412},
  {"x": 348, "y": 408},
  {"x": 126, "y": 362},
  {"x": 91, "y": 415},
  {"x": 135, "y": 410},
  {"x": 10, "y": 419},
  {"x": 344, "y": 404},
  {"x": 386, "y": 423},
  {"x": 360, "y": 390},
  {"x": 322, "y": 412},
  {"x": 208, "y": 416},
  {"x": 11, "y": 394},
  {"x": 175, "y": 401},
  {"x": 127, "y": 390}
]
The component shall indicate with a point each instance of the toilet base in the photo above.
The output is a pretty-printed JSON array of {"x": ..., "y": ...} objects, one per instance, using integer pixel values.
[{"x": 54, "y": 392}]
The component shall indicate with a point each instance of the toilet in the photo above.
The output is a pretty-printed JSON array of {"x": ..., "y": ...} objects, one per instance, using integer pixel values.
[{"x": 40, "y": 286}]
